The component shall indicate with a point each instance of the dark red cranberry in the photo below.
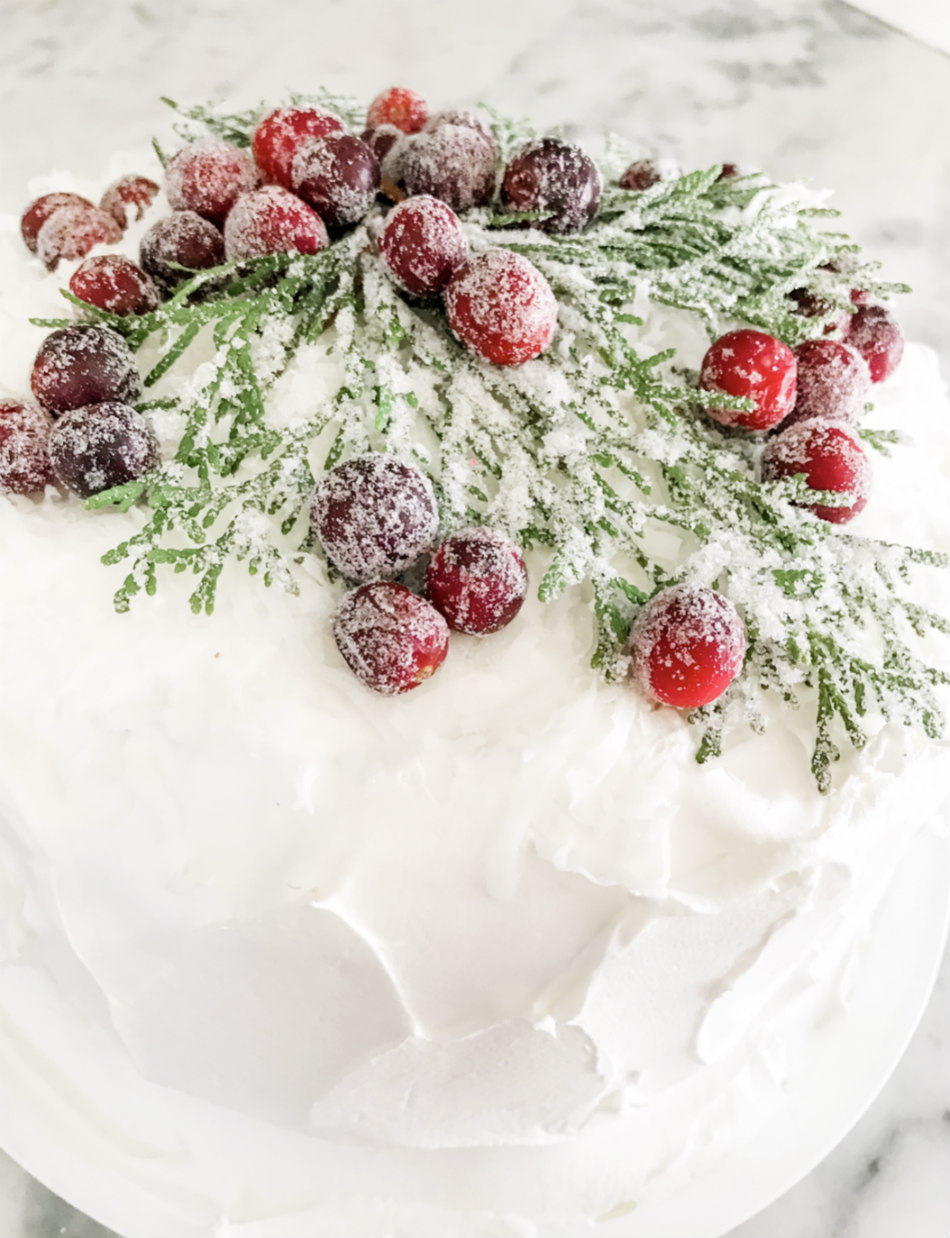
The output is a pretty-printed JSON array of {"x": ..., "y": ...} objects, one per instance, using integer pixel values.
[
  {"x": 755, "y": 366},
  {"x": 272, "y": 220},
  {"x": 375, "y": 516},
  {"x": 72, "y": 231},
  {"x": 208, "y": 177},
  {"x": 113, "y": 283},
  {"x": 76, "y": 366},
  {"x": 128, "y": 199},
  {"x": 397, "y": 106},
  {"x": 833, "y": 382},
  {"x": 810, "y": 305},
  {"x": 338, "y": 176},
  {"x": 389, "y": 145},
  {"x": 687, "y": 646},
  {"x": 467, "y": 120},
  {"x": 644, "y": 174},
  {"x": 390, "y": 639},
  {"x": 453, "y": 162},
  {"x": 478, "y": 580},
  {"x": 37, "y": 213},
  {"x": 877, "y": 336},
  {"x": 423, "y": 245},
  {"x": 24, "y": 448},
  {"x": 501, "y": 307},
  {"x": 100, "y": 446},
  {"x": 553, "y": 176},
  {"x": 281, "y": 134},
  {"x": 183, "y": 239},
  {"x": 729, "y": 172},
  {"x": 829, "y": 456}
]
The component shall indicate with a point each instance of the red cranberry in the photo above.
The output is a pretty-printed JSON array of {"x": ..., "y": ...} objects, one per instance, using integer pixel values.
[
  {"x": 423, "y": 245},
  {"x": 72, "y": 231},
  {"x": 100, "y": 446},
  {"x": 755, "y": 366},
  {"x": 860, "y": 296},
  {"x": 338, "y": 176},
  {"x": 183, "y": 239},
  {"x": 877, "y": 336},
  {"x": 281, "y": 134},
  {"x": 83, "y": 365},
  {"x": 810, "y": 305},
  {"x": 453, "y": 162},
  {"x": 467, "y": 120},
  {"x": 272, "y": 220},
  {"x": 729, "y": 171},
  {"x": 402, "y": 108},
  {"x": 113, "y": 283},
  {"x": 24, "y": 448},
  {"x": 128, "y": 198},
  {"x": 390, "y": 639},
  {"x": 687, "y": 644},
  {"x": 833, "y": 382},
  {"x": 551, "y": 175},
  {"x": 645, "y": 173},
  {"x": 207, "y": 177},
  {"x": 501, "y": 307},
  {"x": 375, "y": 516},
  {"x": 37, "y": 213},
  {"x": 478, "y": 581},
  {"x": 829, "y": 456}
]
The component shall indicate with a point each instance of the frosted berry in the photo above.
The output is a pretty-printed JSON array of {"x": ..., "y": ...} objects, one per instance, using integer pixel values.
[
  {"x": 501, "y": 307},
  {"x": 553, "y": 176},
  {"x": 453, "y": 162},
  {"x": 390, "y": 639},
  {"x": 754, "y": 366},
  {"x": 405, "y": 109},
  {"x": 687, "y": 646},
  {"x": 375, "y": 516},
  {"x": 113, "y": 283},
  {"x": 72, "y": 231},
  {"x": 272, "y": 220},
  {"x": 100, "y": 446},
  {"x": 37, "y": 213},
  {"x": 877, "y": 336},
  {"x": 281, "y": 134},
  {"x": 478, "y": 580},
  {"x": 833, "y": 382},
  {"x": 390, "y": 146},
  {"x": 208, "y": 177},
  {"x": 645, "y": 173},
  {"x": 83, "y": 365},
  {"x": 128, "y": 199},
  {"x": 466, "y": 120},
  {"x": 829, "y": 456},
  {"x": 183, "y": 239},
  {"x": 24, "y": 448},
  {"x": 338, "y": 176},
  {"x": 810, "y": 305},
  {"x": 422, "y": 245}
]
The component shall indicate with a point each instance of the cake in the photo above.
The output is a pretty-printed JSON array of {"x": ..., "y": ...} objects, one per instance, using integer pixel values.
[{"x": 496, "y": 955}]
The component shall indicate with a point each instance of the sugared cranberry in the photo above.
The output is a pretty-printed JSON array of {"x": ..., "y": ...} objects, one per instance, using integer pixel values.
[
  {"x": 833, "y": 382},
  {"x": 755, "y": 366},
  {"x": 72, "y": 231},
  {"x": 397, "y": 106},
  {"x": 829, "y": 456},
  {"x": 478, "y": 581},
  {"x": 390, "y": 639},
  {"x": 37, "y": 213},
  {"x": 423, "y": 245},
  {"x": 877, "y": 336},
  {"x": 100, "y": 446},
  {"x": 113, "y": 283},
  {"x": 183, "y": 239},
  {"x": 810, "y": 305},
  {"x": 76, "y": 366},
  {"x": 687, "y": 646},
  {"x": 551, "y": 175},
  {"x": 208, "y": 177},
  {"x": 338, "y": 176},
  {"x": 272, "y": 220},
  {"x": 375, "y": 516},
  {"x": 24, "y": 448},
  {"x": 644, "y": 173},
  {"x": 281, "y": 134},
  {"x": 389, "y": 145},
  {"x": 501, "y": 307},
  {"x": 454, "y": 162},
  {"x": 128, "y": 198},
  {"x": 467, "y": 120}
]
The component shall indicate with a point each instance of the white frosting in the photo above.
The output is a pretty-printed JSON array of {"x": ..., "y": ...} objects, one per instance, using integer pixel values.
[{"x": 496, "y": 957}]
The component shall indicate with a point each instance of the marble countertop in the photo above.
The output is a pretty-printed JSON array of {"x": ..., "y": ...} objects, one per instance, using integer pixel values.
[{"x": 811, "y": 89}]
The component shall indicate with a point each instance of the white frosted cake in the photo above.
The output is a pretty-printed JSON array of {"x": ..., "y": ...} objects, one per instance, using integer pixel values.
[{"x": 283, "y": 955}]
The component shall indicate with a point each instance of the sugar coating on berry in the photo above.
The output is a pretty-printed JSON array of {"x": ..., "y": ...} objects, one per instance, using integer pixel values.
[
  {"x": 83, "y": 365},
  {"x": 877, "y": 336},
  {"x": 501, "y": 307},
  {"x": 281, "y": 134},
  {"x": 833, "y": 382},
  {"x": 338, "y": 176},
  {"x": 687, "y": 646},
  {"x": 467, "y": 120},
  {"x": 208, "y": 177},
  {"x": 422, "y": 245},
  {"x": 72, "y": 231},
  {"x": 272, "y": 220},
  {"x": 453, "y": 162},
  {"x": 100, "y": 446},
  {"x": 183, "y": 239},
  {"x": 397, "y": 106},
  {"x": 831, "y": 459},
  {"x": 478, "y": 580},
  {"x": 25, "y": 466},
  {"x": 375, "y": 516},
  {"x": 390, "y": 639},
  {"x": 128, "y": 198},
  {"x": 755, "y": 366},
  {"x": 645, "y": 173},
  {"x": 114, "y": 283},
  {"x": 554, "y": 177},
  {"x": 37, "y": 213}
]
